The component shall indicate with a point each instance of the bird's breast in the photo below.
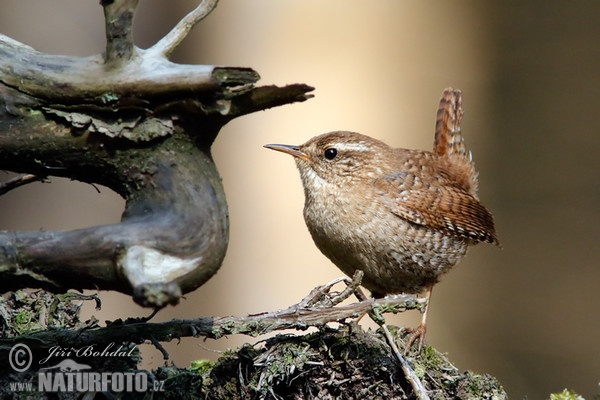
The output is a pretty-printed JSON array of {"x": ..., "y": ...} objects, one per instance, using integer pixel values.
[{"x": 357, "y": 231}]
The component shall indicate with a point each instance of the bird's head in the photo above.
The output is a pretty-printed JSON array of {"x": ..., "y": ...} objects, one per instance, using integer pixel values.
[{"x": 339, "y": 158}]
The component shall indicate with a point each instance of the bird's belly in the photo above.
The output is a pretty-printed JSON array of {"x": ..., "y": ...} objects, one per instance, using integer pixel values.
[{"x": 395, "y": 255}]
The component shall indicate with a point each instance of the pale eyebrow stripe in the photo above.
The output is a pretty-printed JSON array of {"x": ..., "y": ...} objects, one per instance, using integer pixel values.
[{"x": 359, "y": 146}]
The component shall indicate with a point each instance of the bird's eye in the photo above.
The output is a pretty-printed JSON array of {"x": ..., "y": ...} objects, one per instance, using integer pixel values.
[{"x": 330, "y": 153}]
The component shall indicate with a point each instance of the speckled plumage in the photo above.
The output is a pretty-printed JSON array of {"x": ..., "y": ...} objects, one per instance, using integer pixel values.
[{"x": 402, "y": 216}]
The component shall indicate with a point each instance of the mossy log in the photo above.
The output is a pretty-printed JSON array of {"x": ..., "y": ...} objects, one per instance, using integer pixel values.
[{"x": 339, "y": 361}]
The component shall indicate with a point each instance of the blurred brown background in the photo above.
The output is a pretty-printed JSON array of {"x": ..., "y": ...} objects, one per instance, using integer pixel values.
[{"x": 530, "y": 74}]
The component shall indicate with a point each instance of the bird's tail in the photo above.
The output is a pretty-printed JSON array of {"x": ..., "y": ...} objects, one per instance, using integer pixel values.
[
  {"x": 448, "y": 136},
  {"x": 449, "y": 142}
]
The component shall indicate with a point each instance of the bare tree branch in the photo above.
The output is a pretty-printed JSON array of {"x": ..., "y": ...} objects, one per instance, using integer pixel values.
[
  {"x": 73, "y": 81},
  {"x": 294, "y": 317},
  {"x": 171, "y": 40},
  {"x": 118, "y": 18}
]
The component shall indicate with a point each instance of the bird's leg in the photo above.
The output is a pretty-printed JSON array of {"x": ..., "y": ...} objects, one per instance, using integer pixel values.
[{"x": 419, "y": 332}]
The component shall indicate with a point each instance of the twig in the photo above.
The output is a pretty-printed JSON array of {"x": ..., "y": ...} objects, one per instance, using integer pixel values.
[
  {"x": 18, "y": 181},
  {"x": 160, "y": 348},
  {"x": 409, "y": 373},
  {"x": 351, "y": 287},
  {"x": 171, "y": 40},
  {"x": 320, "y": 296},
  {"x": 294, "y": 317},
  {"x": 376, "y": 316}
]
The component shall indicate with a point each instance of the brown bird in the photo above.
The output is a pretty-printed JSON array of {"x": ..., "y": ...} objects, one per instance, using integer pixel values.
[{"x": 403, "y": 217}]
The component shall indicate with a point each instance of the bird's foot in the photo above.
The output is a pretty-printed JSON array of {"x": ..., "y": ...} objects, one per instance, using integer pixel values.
[{"x": 416, "y": 335}]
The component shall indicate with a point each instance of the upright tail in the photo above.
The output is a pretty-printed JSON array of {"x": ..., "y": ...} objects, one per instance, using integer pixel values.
[
  {"x": 449, "y": 142},
  {"x": 448, "y": 136}
]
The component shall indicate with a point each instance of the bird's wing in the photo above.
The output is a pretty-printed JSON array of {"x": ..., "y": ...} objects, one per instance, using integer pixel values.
[{"x": 438, "y": 205}]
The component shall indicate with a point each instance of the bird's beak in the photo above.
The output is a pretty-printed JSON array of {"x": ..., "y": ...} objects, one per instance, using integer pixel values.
[{"x": 289, "y": 149}]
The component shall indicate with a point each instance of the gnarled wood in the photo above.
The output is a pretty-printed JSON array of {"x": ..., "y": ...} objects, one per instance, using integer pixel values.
[{"x": 136, "y": 122}]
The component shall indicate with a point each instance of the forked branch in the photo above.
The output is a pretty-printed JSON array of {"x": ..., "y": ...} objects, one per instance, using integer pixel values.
[{"x": 143, "y": 126}]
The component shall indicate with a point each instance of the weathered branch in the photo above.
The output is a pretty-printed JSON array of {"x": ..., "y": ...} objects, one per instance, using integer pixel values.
[
  {"x": 87, "y": 82},
  {"x": 171, "y": 40},
  {"x": 299, "y": 316},
  {"x": 141, "y": 125},
  {"x": 118, "y": 18}
]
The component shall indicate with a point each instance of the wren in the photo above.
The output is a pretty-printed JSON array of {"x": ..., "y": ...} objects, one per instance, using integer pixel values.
[{"x": 403, "y": 217}]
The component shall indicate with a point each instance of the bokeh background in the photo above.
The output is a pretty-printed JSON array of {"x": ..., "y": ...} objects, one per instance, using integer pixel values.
[{"x": 530, "y": 73}]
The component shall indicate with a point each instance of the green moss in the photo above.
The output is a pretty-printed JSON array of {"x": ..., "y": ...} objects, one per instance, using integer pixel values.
[
  {"x": 23, "y": 321},
  {"x": 481, "y": 386},
  {"x": 279, "y": 364},
  {"x": 344, "y": 363},
  {"x": 27, "y": 311},
  {"x": 201, "y": 367},
  {"x": 566, "y": 394}
]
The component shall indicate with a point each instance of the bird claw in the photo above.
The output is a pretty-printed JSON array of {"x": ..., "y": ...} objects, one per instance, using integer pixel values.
[{"x": 417, "y": 333}]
